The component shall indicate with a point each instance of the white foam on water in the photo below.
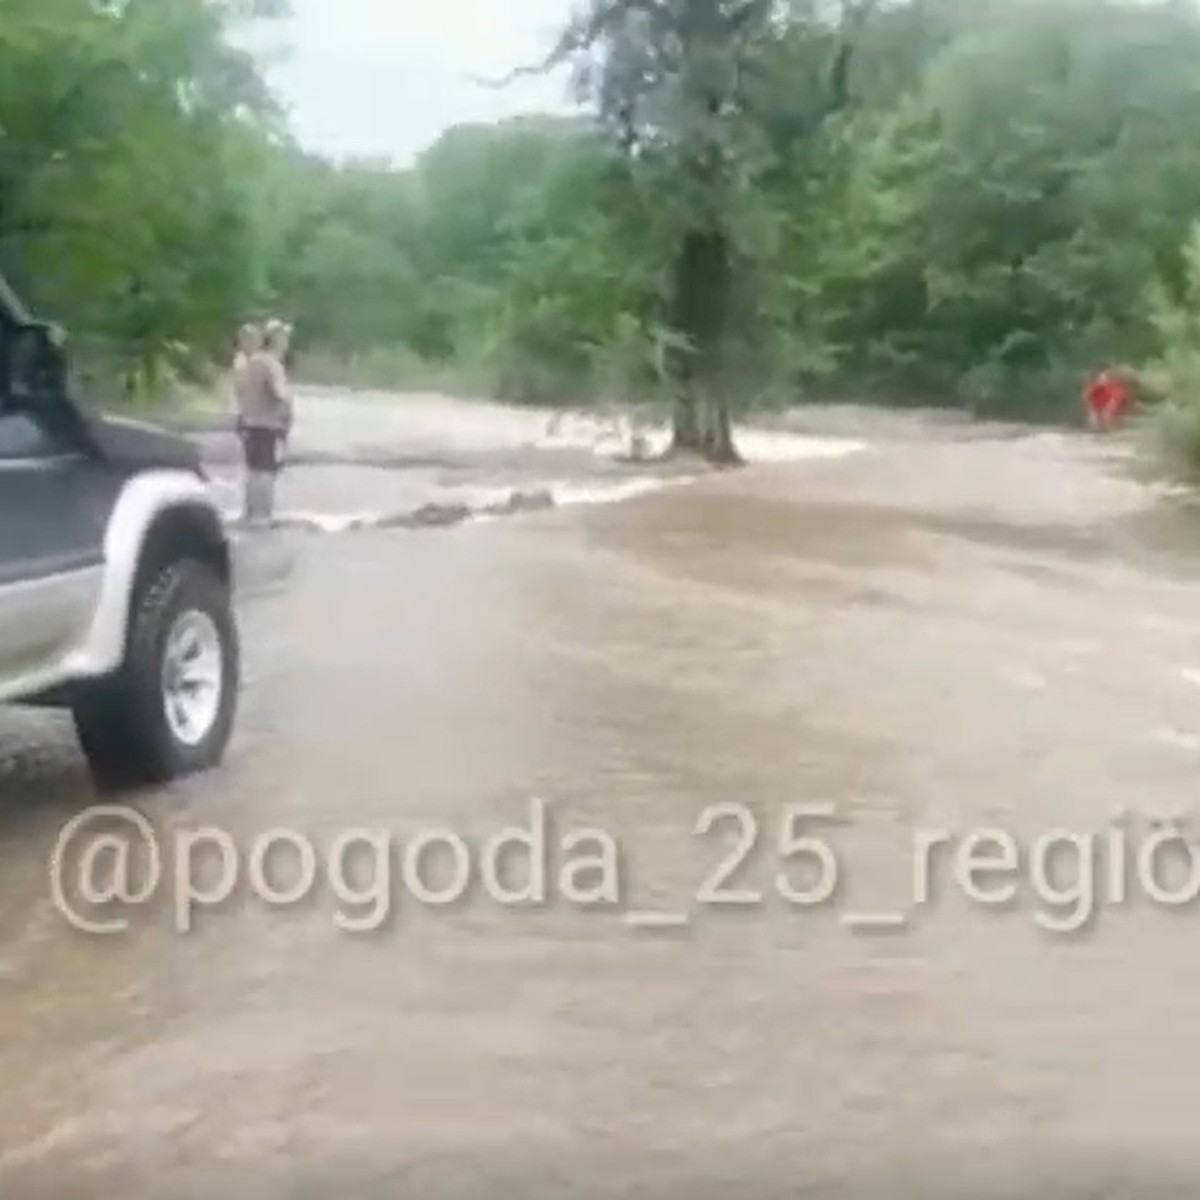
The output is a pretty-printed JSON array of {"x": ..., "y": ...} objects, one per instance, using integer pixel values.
[
  {"x": 332, "y": 522},
  {"x": 484, "y": 503},
  {"x": 1178, "y": 739},
  {"x": 321, "y": 522},
  {"x": 604, "y": 437},
  {"x": 1170, "y": 491},
  {"x": 765, "y": 446},
  {"x": 615, "y": 440},
  {"x": 566, "y": 494},
  {"x": 480, "y": 498}
]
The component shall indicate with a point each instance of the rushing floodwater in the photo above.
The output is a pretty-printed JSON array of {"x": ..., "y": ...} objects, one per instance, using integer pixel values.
[
  {"x": 363, "y": 463},
  {"x": 926, "y": 634}
]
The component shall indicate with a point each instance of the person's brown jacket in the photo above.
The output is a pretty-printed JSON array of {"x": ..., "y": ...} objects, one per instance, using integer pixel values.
[{"x": 262, "y": 395}]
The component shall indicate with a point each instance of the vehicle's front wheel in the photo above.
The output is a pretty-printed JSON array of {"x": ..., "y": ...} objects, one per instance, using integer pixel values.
[{"x": 169, "y": 711}]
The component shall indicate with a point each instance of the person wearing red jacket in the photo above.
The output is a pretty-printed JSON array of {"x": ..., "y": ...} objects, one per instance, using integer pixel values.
[{"x": 1106, "y": 398}]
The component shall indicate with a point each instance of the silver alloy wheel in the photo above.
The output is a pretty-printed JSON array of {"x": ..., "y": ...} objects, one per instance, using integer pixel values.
[{"x": 193, "y": 676}]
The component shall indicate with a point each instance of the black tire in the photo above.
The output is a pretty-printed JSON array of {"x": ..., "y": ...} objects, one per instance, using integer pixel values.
[{"x": 122, "y": 721}]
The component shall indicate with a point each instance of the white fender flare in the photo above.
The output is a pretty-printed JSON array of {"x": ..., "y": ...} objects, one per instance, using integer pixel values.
[{"x": 143, "y": 499}]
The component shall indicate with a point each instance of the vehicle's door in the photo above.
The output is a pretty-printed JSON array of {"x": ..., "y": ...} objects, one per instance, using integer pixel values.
[{"x": 53, "y": 515}]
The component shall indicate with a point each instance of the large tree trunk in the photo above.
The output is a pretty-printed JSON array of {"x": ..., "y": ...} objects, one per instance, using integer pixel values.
[
  {"x": 700, "y": 306},
  {"x": 718, "y": 442},
  {"x": 686, "y": 437},
  {"x": 687, "y": 431}
]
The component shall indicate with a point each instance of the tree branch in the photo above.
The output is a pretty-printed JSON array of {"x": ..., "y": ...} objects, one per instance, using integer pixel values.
[
  {"x": 749, "y": 12},
  {"x": 581, "y": 34}
]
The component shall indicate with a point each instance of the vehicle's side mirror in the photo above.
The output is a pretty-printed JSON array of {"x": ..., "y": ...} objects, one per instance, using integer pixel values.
[{"x": 35, "y": 366}]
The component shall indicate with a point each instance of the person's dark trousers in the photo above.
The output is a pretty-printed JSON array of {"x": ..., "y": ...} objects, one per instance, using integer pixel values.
[{"x": 261, "y": 450}]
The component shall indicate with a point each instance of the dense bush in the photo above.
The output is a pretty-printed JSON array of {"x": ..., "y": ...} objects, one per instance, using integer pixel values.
[{"x": 1170, "y": 382}]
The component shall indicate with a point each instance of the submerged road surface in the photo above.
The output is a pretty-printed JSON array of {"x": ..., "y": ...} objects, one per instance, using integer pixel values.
[{"x": 863, "y": 863}]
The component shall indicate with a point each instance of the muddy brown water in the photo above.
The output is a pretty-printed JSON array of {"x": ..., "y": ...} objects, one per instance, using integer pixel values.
[{"x": 1002, "y": 634}]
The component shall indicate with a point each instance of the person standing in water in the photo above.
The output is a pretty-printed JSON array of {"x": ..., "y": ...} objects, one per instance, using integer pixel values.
[
  {"x": 1107, "y": 400},
  {"x": 264, "y": 416},
  {"x": 278, "y": 344}
]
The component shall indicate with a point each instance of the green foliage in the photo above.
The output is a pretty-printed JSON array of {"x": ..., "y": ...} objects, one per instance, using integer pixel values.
[
  {"x": 977, "y": 222},
  {"x": 130, "y": 140},
  {"x": 1014, "y": 211},
  {"x": 917, "y": 200},
  {"x": 515, "y": 257},
  {"x": 1171, "y": 380}
]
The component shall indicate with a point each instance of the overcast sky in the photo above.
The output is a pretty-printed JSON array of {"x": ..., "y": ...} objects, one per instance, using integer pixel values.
[{"x": 385, "y": 77}]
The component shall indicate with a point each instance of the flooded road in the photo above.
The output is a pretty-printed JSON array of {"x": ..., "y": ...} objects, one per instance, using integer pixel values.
[{"x": 932, "y": 635}]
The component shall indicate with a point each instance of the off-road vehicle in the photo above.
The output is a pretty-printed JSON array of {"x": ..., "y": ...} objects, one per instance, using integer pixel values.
[{"x": 115, "y": 572}]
